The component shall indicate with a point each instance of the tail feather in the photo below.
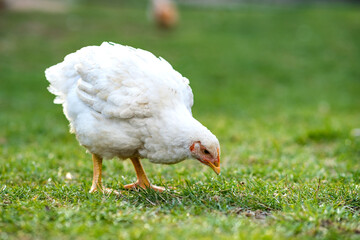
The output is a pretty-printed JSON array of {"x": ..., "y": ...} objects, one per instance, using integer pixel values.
[{"x": 62, "y": 77}]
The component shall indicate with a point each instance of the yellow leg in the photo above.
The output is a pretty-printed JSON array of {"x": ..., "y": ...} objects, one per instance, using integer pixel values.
[
  {"x": 97, "y": 167},
  {"x": 142, "y": 180},
  {"x": 96, "y": 183}
]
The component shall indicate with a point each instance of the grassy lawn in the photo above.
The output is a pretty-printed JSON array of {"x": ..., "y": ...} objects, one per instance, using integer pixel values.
[{"x": 279, "y": 86}]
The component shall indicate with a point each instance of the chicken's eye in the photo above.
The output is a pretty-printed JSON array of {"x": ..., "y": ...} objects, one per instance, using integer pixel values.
[{"x": 206, "y": 151}]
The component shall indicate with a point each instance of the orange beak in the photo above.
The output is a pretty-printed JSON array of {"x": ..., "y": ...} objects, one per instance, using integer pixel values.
[{"x": 215, "y": 166}]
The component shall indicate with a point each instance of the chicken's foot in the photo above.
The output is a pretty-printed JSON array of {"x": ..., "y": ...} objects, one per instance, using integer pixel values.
[
  {"x": 96, "y": 183},
  {"x": 142, "y": 180}
]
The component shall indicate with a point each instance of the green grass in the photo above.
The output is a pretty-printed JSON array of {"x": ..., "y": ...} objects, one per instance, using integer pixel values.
[{"x": 279, "y": 86}]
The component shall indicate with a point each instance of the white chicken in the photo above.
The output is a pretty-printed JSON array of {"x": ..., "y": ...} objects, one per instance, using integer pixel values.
[{"x": 125, "y": 102}]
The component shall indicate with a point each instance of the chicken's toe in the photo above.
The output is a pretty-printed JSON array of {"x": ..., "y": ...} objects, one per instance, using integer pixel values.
[{"x": 136, "y": 185}]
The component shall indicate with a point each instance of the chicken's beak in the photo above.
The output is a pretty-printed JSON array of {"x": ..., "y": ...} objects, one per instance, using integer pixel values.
[{"x": 215, "y": 166}]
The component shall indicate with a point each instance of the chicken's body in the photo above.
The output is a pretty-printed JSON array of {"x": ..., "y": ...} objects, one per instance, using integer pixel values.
[
  {"x": 124, "y": 102},
  {"x": 165, "y": 13}
]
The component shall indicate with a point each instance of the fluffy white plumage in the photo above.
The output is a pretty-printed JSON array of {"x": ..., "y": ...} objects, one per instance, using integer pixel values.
[{"x": 125, "y": 102}]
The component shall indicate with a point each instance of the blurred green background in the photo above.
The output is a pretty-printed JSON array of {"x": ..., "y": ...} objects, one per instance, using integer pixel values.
[{"x": 278, "y": 84}]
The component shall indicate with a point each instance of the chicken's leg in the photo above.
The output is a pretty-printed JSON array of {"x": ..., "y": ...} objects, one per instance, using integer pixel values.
[
  {"x": 96, "y": 183},
  {"x": 142, "y": 180}
]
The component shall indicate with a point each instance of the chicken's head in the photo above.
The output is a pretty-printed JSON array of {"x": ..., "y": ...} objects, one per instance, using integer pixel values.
[{"x": 208, "y": 155}]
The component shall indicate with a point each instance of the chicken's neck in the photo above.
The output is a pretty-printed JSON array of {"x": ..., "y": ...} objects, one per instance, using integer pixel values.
[{"x": 171, "y": 135}]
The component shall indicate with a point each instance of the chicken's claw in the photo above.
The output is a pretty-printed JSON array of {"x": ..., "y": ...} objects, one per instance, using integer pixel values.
[{"x": 137, "y": 185}]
